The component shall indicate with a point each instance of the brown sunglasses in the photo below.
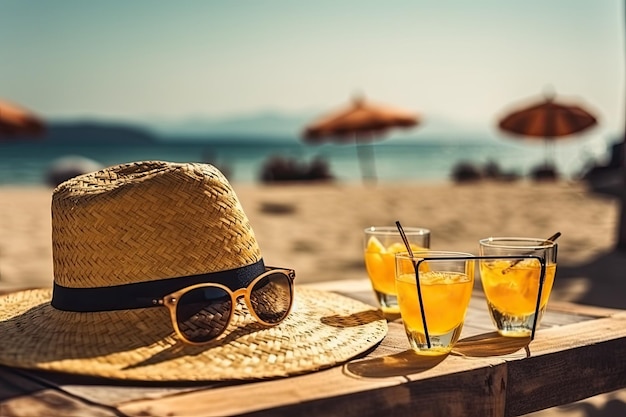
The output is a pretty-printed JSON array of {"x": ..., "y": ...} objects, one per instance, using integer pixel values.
[{"x": 202, "y": 312}]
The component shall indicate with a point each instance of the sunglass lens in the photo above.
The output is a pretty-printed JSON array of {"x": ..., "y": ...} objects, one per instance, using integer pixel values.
[
  {"x": 271, "y": 297},
  {"x": 203, "y": 313}
]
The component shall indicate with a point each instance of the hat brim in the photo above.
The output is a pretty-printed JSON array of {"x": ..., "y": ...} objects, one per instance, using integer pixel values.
[{"x": 322, "y": 330}]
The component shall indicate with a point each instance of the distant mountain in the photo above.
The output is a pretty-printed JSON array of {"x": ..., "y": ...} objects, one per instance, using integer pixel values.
[
  {"x": 268, "y": 124},
  {"x": 287, "y": 126},
  {"x": 96, "y": 132}
]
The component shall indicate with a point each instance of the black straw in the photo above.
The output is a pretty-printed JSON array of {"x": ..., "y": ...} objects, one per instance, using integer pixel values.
[
  {"x": 542, "y": 277},
  {"x": 417, "y": 279},
  {"x": 404, "y": 238}
]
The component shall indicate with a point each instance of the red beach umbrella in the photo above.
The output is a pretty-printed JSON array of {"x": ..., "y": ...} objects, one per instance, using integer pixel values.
[
  {"x": 547, "y": 119},
  {"x": 17, "y": 121},
  {"x": 361, "y": 122}
]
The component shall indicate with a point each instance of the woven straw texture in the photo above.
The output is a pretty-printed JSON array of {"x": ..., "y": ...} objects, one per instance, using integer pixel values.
[
  {"x": 147, "y": 220},
  {"x": 323, "y": 329}
]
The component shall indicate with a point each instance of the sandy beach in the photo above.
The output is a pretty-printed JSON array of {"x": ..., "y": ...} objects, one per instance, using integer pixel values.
[{"x": 317, "y": 230}]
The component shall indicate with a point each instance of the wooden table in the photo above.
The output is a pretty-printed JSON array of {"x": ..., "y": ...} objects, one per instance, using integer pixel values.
[{"x": 578, "y": 352}]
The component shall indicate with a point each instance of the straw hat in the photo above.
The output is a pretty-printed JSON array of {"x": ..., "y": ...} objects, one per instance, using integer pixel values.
[{"x": 151, "y": 223}]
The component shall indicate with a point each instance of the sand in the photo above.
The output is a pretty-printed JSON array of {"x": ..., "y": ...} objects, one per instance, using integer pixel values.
[{"x": 317, "y": 229}]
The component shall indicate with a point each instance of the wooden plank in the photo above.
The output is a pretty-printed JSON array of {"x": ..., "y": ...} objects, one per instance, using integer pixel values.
[
  {"x": 568, "y": 364},
  {"x": 113, "y": 393},
  {"x": 21, "y": 396},
  {"x": 110, "y": 393},
  {"x": 535, "y": 378},
  {"x": 481, "y": 393},
  {"x": 482, "y": 371},
  {"x": 403, "y": 385},
  {"x": 582, "y": 309}
]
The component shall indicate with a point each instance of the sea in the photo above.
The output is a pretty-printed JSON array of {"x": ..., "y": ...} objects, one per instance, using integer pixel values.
[{"x": 29, "y": 162}]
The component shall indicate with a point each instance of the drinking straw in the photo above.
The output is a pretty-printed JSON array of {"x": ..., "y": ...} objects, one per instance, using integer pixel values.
[
  {"x": 417, "y": 278},
  {"x": 542, "y": 277}
]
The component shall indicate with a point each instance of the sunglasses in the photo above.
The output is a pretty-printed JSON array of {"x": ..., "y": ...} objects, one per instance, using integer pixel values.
[{"x": 202, "y": 312}]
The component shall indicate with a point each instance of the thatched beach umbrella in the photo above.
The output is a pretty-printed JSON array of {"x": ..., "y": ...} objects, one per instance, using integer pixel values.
[
  {"x": 547, "y": 120},
  {"x": 361, "y": 122},
  {"x": 17, "y": 121}
]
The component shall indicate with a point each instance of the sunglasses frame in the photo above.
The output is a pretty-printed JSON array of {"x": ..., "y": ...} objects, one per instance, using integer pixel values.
[{"x": 170, "y": 301}]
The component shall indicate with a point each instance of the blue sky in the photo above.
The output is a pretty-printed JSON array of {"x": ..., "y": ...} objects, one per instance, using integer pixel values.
[{"x": 464, "y": 61}]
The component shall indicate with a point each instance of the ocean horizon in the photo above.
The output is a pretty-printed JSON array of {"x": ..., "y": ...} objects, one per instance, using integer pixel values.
[{"x": 28, "y": 162}]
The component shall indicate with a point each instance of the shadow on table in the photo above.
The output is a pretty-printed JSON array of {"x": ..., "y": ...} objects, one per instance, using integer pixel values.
[
  {"x": 408, "y": 362},
  {"x": 399, "y": 364},
  {"x": 604, "y": 277},
  {"x": 492, "y": 344}
]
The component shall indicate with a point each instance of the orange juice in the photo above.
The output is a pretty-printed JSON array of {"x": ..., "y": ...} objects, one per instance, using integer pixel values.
[
  {"x": 512, "y": 291},
  {"x": 446, "y": 296},
  {"x": 380, "y": 263},
  {"x": 380, "y": 246}
]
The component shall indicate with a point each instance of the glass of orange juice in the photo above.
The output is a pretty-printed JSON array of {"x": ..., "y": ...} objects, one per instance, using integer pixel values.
[
  {"x": 517, "y": 289},
  {"x": 380, "y": 245},
  {"x": 433, "y": 312}
]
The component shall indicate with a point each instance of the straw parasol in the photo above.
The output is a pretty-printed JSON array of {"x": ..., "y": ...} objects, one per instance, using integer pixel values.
[
  {"x": 361, "y": 122},
  {"x": 548, "y": 120},
  {"x": 17, "y": 121}
]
